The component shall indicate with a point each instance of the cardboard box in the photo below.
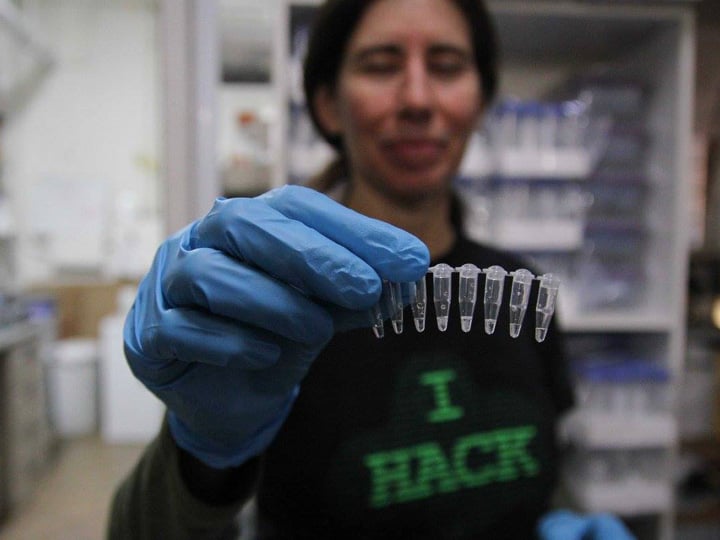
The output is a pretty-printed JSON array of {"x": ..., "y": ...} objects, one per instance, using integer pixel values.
[{"x": 81, "y": 306}]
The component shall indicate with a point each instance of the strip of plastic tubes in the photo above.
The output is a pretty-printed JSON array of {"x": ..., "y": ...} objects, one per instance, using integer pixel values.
[{"x": 395, "y": 295}]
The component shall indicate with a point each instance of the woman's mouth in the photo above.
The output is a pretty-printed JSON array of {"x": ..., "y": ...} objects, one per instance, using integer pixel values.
[{"x": 414, "y": 153}]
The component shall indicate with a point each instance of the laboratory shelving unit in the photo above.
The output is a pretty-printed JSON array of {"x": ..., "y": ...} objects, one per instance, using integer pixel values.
[
  {"x": 545, "y": 45},
  {"x": 7, "y": 232},
  {"x": 654, "y": 46},
  {"x": 25, "y": 436},
  {"x": 27, "y": 441}
]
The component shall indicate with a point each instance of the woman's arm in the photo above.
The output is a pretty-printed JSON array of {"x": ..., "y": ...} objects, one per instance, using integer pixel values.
[{"x": 171, "y": 494}]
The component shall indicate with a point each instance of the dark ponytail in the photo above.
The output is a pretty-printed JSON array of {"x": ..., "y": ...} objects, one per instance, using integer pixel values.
[{"x": 331, "y": 175}]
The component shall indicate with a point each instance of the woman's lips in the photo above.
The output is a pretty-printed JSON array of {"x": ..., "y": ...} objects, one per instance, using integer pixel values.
[{"x": 415, "y": 153}]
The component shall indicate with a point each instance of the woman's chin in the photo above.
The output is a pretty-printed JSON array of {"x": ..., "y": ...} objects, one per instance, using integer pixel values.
[{"x": 419, "y": 188}]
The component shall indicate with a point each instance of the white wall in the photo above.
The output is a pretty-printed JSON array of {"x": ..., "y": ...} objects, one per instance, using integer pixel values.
[{"x": 84, "y": 149}]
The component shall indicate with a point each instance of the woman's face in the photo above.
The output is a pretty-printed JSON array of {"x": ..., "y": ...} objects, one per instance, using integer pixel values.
[{"x": 407, "y": 98}]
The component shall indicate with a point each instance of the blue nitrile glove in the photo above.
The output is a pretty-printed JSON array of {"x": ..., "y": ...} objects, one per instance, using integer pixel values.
[
  {"x": 566, "y": 525},
  {"x": 237, "y": 306}
]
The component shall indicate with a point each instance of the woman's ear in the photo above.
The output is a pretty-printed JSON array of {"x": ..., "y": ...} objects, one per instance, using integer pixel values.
[{"x": 326, "y": 110}]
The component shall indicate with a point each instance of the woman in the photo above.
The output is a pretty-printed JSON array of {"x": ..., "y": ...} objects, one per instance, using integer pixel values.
[{"x": 252, "y": 324}]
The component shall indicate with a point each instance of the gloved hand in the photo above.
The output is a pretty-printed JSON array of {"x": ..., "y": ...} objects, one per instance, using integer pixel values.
[
  {"x": 237, "y": 305},
  {"x": 566, "y": 525}
]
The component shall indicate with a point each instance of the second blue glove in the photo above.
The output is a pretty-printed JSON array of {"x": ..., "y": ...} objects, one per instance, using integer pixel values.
[{"x": 566, "y": 525}]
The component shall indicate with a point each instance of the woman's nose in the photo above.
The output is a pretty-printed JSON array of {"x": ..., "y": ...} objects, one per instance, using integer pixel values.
[{"x": 416, "y": 93}]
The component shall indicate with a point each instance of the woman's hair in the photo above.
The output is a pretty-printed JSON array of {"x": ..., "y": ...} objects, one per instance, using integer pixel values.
[{"x": 334, "y": 23}]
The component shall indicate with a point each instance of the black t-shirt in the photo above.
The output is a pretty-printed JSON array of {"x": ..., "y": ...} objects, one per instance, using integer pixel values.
[{"x": 422, "y": 435}]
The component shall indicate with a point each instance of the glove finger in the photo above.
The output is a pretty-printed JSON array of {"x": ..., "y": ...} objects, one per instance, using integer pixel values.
[
  {"x": 318, "y": 245},
  {"x": 251, "y": 231},
  {"x": 563, "y": 525},
  {"x": 395, "y": 254},
  {"x": 189, "y": 336},
  {"x": 211, "y": 280}
]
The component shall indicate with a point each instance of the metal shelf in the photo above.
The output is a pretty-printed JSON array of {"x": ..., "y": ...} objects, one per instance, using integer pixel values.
[
  {"x": 618, "y": 322},
  {"x": 16, "y": 333},
  {"x": 630, "y": 498},
  {"x": 594, "y": 430},
  {"x": 522, "y": 23}
]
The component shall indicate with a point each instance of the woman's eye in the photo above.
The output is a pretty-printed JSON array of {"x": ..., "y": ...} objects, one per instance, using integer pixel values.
[
  {"x": 379, "y": 67},
  {"x": 448, "y": 67}
]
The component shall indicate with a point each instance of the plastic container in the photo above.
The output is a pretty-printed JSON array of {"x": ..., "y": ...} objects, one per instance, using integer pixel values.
[
  {"x": 538, "y": 215},
  {"x": 72, "y": 387},
  {"x": 557, "y": 140},
  {"x": 623, "y": 387}
]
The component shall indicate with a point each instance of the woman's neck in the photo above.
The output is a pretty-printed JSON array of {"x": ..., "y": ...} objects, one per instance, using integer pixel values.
[{"x": 427, "y": 218}]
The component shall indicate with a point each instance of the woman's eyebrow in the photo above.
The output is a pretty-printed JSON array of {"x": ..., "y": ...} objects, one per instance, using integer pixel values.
[
  {"x": 369, "y": 51},
  {"x": 449, "y": 48},
  {"x": 366, "y": 52}
]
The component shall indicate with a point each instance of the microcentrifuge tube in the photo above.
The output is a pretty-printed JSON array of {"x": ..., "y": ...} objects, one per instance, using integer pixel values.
[
  {"x": 376, "y": 320},
  {"x": 392, "y": 292},
  {"x": 494, "y": 284},
  {"x": 547, "y": 294},
  {"x": 467, "y": 294},
  {"x": 442, "y": 288},
  {"x": 519, "y": 297},
  {"x": 418, "y": 302}
]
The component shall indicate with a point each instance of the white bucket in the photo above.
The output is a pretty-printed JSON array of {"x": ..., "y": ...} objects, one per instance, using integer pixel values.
[{"x": 72, "y": 387}]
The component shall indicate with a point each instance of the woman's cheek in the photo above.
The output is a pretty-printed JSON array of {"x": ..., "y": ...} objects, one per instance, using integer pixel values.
[
  {"x": 366, "y": 103},
  {"x": 464, "y": 108}
]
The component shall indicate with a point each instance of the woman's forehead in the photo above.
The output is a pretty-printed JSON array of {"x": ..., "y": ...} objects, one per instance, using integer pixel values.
[{"x": 410, "y": 22}]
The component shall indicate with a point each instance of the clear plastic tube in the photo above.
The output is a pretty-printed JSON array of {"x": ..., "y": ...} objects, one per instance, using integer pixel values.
[
  {"x": 376, "y": 320},
  {"x": 442, "y": 289},
  {"x": 467, "y": 294},
  {"x": 494, "y": 284},
  {"x": 519, "y": 297},
  {"x": 393, "y": 300},
  {"x": 418, "y": 303},
  {"x": 547, "y": 295}
]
